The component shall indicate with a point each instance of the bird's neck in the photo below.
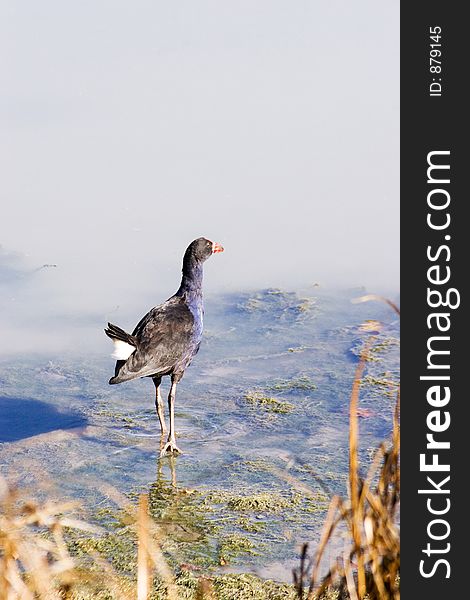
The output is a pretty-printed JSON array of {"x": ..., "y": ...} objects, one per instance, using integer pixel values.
[{"x": 191, "y": 282}]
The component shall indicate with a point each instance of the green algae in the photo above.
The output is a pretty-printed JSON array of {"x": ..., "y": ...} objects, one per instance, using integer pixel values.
[
  {"x": 277, "y": 302},
  {"x": 119, "y": 548},
  {"x": 188, "y": 511},
  {"x": 251, "y": 526},
  {"x": 317, "y": 503},
  {"x": 201, "y": 528},
  {"x": 381, "y": 381},
  {"x": 205, "y": 528},
  {"x": 384, "y": 345},
  {"x": 233, "y": 545},
  {"x": 243, "y": 586},
  {"x": 268, "y": 403},
  {"x": 117, "y": 417},
  {"x": 262, "y": 502},
  {"x": 252, "y": 465},
  {"x": 183, "y": 525},
  {"x": 250, "y": 587},
  {"x": 231, "y": 586},
  {"x": 183, "y": 517},
  {"x": 302, "y": 383},
  {"x": 381, "y": 347},
  {"x": 382, "y": 384}
]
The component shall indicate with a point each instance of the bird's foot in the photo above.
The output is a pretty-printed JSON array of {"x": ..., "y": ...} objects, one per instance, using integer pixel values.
[{"x": 170, "y": 448}]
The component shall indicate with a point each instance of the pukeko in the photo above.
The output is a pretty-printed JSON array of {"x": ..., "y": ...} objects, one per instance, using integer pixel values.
[{"x": 165, "y": 341}]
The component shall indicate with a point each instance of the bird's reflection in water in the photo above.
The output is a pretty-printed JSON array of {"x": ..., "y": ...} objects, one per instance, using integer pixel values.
[
  {"x": 177, "y": 510},
  {"x": 167, "y": 460}
]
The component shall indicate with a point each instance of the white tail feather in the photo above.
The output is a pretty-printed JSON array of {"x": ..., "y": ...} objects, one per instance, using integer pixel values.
[{"x": 122, "y": 350}]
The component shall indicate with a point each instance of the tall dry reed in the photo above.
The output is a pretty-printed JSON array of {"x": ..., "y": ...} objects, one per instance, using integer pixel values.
[{"x": 370, "y": 562}]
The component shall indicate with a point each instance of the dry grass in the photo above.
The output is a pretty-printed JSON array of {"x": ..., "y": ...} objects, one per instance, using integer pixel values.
[
  {"x": 35, "y": 562},
  {"x": 370, "y": 563}
]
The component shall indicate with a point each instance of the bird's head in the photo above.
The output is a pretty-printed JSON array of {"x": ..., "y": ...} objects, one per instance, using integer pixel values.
[{"x": 202, "y": 248}]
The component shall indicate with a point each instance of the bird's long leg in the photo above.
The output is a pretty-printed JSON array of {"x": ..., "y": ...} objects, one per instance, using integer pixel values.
[
  {"x": 159, "y": 403},
  {"x": 171, "y": 446},
  {"x": 171, "y": 407}
]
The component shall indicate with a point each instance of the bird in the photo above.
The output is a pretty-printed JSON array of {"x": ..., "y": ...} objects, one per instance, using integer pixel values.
[{"x": 167, "y": 338}]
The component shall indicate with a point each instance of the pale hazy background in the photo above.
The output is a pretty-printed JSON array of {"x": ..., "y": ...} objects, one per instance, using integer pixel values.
[{"x": 130, "y": 128}]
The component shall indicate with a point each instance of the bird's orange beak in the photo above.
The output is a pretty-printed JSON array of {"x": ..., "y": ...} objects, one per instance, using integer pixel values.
[{"x": 216, "y": 248}]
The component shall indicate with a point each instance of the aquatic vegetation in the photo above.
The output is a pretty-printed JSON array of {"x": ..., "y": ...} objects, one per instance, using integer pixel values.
[
  {"x": 234, "y": 586},
  {"x": 382, "y": 345},
  {"x": 301, "y": 383},
  {"x": 269, "y": 403},
  {"x": 384, "y": 380},
  {"x": 184, "y": 520},
  {"x": 250, "y": 587},
  {"x": 279, "y": 303},
  {"x": 231, "y": 586},
  {"x": 251, "y": 526},
  {"x": 317, "y": 503},
  {"x": 99, "y": 564},
  {"x": 118, "y": 547},
  {"x": 262, "y": 502},
  {"x": 383, "y": 384},
  {"x": 251, "y": 465},
  {"x": 233, "y": 545}
]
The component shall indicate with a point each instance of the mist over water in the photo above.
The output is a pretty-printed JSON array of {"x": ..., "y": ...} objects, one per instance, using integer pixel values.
[
  {"x": 128, "y": 132},
  {"x": 53, "y": 308}
]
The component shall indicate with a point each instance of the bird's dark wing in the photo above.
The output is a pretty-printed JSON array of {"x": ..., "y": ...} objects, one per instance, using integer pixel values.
[{"x": 164, "y": 339}]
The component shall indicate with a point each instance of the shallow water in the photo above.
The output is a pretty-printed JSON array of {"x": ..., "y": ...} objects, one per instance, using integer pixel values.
[{"x": 60, "y": 419}]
